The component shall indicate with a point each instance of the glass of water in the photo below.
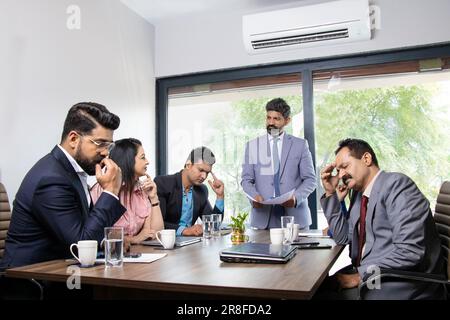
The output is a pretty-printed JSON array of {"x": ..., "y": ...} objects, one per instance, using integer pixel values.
[
  {"x": 287, "y": 223},
  {"x": 208, "y": 225},
  {"x": 113, "y": 246},
  {"x": 217, "y": 221}
]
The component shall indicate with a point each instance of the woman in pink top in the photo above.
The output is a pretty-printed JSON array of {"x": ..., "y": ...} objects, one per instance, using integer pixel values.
[{"x": 143, "y": 216}]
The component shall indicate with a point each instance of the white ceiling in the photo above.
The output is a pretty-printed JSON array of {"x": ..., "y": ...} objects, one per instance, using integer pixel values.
[{"x": 157, "y": 10}]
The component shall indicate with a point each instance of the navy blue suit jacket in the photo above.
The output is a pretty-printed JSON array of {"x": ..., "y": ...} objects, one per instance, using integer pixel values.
[
  {"x": 170, "y": 194},
  {"x": 50, "y": 212}
]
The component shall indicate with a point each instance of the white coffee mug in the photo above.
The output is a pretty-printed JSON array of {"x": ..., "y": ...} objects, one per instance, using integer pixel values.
[
  {"x": 87, "y": 252},
  {"x": 276, "y": 235},
  {"x": 166, "y": 238}
]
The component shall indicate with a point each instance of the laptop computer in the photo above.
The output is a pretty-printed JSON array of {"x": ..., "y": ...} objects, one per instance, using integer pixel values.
[
  {"x": 180, "y": 241},
  {"x": 258, "y": 253}
]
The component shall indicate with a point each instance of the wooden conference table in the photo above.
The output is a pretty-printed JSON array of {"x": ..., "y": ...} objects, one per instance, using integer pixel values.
[{"x": 195, "y": 271}]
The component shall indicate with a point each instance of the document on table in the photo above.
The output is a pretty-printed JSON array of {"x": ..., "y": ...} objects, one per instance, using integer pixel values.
[
  {"x": 277, "y": 200},
  {"x": 144, "y": 258},
  {"x": 313, "y": 234}
]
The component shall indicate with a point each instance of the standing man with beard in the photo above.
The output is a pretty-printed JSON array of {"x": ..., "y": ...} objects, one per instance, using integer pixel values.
[
  {"x": 275, "y": 164},
  {"x": 53, "y": 208}
]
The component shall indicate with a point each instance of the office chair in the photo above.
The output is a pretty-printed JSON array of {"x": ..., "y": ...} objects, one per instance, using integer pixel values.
[
  {"x": 5, "y": 218},
  {"x": 442, "y": 220}
]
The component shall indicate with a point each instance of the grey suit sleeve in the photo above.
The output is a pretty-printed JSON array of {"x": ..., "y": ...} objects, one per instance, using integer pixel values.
[
  {"x": 248, "y": 174},
  {"x": 307, "y": 175},
  {"x": 407, "y": 210},
  {"x": 337, "y": 222}
]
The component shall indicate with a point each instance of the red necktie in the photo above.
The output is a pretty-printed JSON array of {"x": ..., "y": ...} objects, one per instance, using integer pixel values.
[{"x": 362, "y": 228}]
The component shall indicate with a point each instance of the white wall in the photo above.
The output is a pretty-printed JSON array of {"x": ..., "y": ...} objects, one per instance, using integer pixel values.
[
  {"x": 210, "y": 42},
  {"x": 46, "y": 68}
]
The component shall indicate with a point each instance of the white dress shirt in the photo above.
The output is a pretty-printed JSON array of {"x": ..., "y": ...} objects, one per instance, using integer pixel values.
[{"x": 368, "y": 190}]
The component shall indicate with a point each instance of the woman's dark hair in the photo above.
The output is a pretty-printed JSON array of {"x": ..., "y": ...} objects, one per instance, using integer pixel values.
[
  {"x": 85, "y": 116},
  {"x": 357, "y": 148},
  {"x": 124, "y": 154}
]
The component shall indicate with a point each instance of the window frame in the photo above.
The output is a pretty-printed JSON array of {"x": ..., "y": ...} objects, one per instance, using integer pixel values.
[{"x": 305, "y": 70}]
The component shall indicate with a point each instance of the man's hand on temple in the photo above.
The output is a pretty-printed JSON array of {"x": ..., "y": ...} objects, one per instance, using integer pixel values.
[
  {"x": 217, "y": 186},
  {"x": 329, "y": 182}
]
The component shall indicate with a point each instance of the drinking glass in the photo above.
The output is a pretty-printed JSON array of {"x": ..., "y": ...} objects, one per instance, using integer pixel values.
[
  {"x": 113, "y": 246},
  {"x": 287, "y": 223},
  {"x": 217, "y": 221},
  {"x": 208, "y": 225}
]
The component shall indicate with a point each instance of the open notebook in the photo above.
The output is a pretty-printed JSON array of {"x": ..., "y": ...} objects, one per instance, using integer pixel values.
[
  {"x": 258, "y": 253},
  {"x": 180, "y": 241}
]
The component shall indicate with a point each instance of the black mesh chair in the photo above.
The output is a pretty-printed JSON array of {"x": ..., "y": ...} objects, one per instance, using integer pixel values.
[{"x": 442, "y": 220}]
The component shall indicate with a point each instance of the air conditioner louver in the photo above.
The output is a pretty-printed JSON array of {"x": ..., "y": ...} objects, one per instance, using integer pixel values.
[
  {"x": 327, "y": 23},
  {"x": 296, "y": 40}
]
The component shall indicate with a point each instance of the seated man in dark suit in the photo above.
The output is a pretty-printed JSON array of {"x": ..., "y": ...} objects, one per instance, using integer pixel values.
[
  {"x": 52, "y": 208},
  {"x": 183, "y": 197}
]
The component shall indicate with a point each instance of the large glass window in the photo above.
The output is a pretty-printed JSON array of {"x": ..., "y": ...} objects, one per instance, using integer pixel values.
[
  {"x": 224, "y": 116},
  {"x": 401, "y": 109}
]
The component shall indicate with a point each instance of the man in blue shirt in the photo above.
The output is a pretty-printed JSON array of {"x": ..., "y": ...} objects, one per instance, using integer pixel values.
[{"x": 183, "y": 196}]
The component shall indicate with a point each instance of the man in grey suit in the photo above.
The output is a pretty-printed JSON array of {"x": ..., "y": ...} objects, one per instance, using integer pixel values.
[
  {"x": 274, "y": 164},
  {"x": 390, "y": 224}
]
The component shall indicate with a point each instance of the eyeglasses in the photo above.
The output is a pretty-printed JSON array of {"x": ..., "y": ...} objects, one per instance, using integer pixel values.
[{"x": 100, "y": 145}]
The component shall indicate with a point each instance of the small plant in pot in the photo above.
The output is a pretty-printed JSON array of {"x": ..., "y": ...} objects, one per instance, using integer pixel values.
[{"x": 237, "y": 225}]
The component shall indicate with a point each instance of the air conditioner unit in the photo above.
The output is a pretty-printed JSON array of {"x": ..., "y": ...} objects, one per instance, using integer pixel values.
[{"x": 332, "y": 22}]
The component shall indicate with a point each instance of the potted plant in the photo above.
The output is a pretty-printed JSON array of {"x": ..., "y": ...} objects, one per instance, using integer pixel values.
[{"x": 238, "y": 227}]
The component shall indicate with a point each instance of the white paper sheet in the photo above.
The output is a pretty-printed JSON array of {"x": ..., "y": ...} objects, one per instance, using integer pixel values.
[
  {"x": 278, "y": 200},
  {"x": 313, "y": 233},
  {"x": 144, "y": 258}
]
